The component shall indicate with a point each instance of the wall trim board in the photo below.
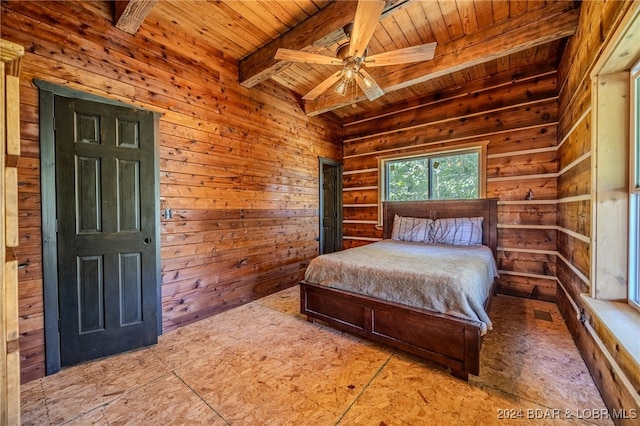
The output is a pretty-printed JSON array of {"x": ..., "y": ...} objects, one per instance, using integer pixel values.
[
  {"x": 520, "y": 226},
  {"x": 526, "y": 202},
  {"x": 359, "y": 188},
  {"x": 361, "y": 238},
  {"x": 366, "y": 222},
  {"x": 353, "y": 172},
  {"x": 527, "y": 275},
  {"x": 574, "y": 198},
  {"x": 569, "y": 232},
  {"x": 584, "y": 115},
  {"x": 574, "y": 234},
  {"x": 574, "y": 163},
  {"x": 525, "y": 250},
  {"x": 523, "y": 152},
  {"x": 575, "y": 270},
  {"x": 523, "y": 177}
]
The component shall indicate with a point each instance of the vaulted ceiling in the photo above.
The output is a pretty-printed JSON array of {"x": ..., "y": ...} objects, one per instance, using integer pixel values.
[{"x": 475, "y": 39}]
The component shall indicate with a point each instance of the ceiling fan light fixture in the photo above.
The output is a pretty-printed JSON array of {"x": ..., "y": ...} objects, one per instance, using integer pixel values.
[
  {"x": 349, "y": 74},
  {"x": 341, "y": 87},
  {"x": 351, "y": 68},
  {"x": 368, "y": 85},
  {"x": 366, "y": 80}
]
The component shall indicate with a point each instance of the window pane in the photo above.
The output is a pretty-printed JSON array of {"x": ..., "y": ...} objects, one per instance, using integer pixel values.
[
  {"x": 634, "y": 252},
  {"x": 637, "y": 132},
  {"x": 454, "y": 176},
  {"x": 408, "y": 179},
  {"x": 634, "y": 199}
]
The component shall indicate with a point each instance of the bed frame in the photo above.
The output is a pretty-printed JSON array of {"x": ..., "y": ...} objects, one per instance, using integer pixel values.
[{"x": 450, "y": 341}]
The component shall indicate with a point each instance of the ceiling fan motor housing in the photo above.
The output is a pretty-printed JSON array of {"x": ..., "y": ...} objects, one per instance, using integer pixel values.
[{"x": 342, "y": 52}]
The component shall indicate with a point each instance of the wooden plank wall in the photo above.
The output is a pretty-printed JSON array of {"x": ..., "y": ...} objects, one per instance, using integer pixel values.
[
  {"x": 239, "y": 167},
  {"x": 518, "y": 115},
  {"x": 574, "y": 194}
]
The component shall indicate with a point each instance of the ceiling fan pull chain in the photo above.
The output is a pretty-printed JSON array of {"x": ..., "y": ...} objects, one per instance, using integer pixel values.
[{"x": 355, "y": 93}]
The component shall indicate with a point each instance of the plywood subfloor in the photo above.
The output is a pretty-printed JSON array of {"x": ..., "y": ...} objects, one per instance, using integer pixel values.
[{"x": 263, "y": 364}]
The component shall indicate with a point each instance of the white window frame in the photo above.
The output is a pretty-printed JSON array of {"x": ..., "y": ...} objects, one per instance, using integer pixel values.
[
  {"x": 634, "y": 188},
  {"x": 479, "y": 147}
]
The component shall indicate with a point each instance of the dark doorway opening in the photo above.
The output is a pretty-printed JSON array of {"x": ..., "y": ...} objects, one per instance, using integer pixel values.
[{"x": 330, "y": 206}]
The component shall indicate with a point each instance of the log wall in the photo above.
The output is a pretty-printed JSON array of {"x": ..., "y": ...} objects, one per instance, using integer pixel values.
[
  {"x": 518, "y": 114},
  {"x": 575, "y": 203},
  {"x": 238, "y": 167}
]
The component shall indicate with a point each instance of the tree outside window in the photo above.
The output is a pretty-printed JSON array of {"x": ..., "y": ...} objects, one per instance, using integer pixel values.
[{"x": 438, "y": 176}]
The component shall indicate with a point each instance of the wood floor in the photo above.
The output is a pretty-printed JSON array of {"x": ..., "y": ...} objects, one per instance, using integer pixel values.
[{"x": 263, "y": 364}]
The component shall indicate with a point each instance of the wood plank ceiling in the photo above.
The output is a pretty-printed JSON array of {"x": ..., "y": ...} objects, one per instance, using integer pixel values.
[{"x": 476, "y": 39}]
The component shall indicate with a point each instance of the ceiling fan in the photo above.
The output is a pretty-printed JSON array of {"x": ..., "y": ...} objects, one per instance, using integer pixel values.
[{"x": 352, "y": 55}]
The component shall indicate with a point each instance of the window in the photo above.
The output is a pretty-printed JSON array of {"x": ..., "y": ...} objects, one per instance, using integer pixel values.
[
  {"x": 634, "y": 189},
  {"x": 433, "y": 175}
]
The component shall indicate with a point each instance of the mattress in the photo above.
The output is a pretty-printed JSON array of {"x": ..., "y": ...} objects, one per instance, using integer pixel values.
[{"x": 451, "y": 280}]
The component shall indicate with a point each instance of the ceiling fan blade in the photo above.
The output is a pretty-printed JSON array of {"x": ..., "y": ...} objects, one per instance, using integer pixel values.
[
  {"x": 368, "y": 85},
  {"x": 423, "y": 52},
  {"x": 310, "y": 58},
  {"x": 364, "y": 24},
  {"x": 320, "y": 88}
]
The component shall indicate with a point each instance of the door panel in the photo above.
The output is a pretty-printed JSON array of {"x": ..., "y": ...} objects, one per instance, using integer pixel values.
[
  {"x": 106, "y": 225},
  {"x": 90, "y": 306},
  {"x": 131, "y": 288},
  {"x": 88, "y": 198}
]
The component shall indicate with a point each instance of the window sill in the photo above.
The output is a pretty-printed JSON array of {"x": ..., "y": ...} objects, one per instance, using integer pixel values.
[{"x": 618, "y": 326}]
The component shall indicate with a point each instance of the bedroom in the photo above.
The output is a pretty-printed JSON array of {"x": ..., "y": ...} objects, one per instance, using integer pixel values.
[{"x": 238, "y": 166}]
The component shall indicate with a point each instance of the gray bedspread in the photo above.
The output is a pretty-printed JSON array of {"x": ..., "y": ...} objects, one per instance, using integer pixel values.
[{"x": 452, "y": 280}]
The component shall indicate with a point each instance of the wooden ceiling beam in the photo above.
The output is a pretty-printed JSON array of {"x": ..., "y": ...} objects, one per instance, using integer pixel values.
[
  {"x": 129, "y": 14},
  {"x": 260, "y": 65},
  {"x": 539, "y": 26}
]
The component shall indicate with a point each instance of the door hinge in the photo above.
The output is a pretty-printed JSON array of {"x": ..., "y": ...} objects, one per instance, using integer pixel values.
[
  {"x": 59, "y": 324},
  {"x": 57, "y": 225}
]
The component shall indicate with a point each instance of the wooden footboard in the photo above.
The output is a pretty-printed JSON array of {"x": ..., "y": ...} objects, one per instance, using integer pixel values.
[{"x": 452, "y": 342}]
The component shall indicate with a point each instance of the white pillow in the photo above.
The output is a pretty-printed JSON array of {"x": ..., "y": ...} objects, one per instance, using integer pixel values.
[
  {"x": 417, "y": 229},
  {"x": 460, "y": 231}
]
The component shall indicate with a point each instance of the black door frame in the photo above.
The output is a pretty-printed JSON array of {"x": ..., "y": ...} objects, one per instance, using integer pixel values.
[
  {"x": 47, "y": 94},
  {"x": 338, "y": 165}
]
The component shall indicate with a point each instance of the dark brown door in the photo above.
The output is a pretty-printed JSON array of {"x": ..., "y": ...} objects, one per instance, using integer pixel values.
[
  {"x": 106, "y": 228},
  {"x": 331, "y": 207}
]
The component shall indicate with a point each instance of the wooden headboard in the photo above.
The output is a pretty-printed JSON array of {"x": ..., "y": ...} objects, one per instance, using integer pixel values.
[{"x": 435, "y": 209}]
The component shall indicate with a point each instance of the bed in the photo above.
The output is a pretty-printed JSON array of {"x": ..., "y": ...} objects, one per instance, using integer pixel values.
[{"x": 452, "y": 341}]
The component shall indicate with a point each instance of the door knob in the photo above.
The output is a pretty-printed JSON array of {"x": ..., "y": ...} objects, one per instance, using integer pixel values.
[{"x": 147, "y": 240}]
